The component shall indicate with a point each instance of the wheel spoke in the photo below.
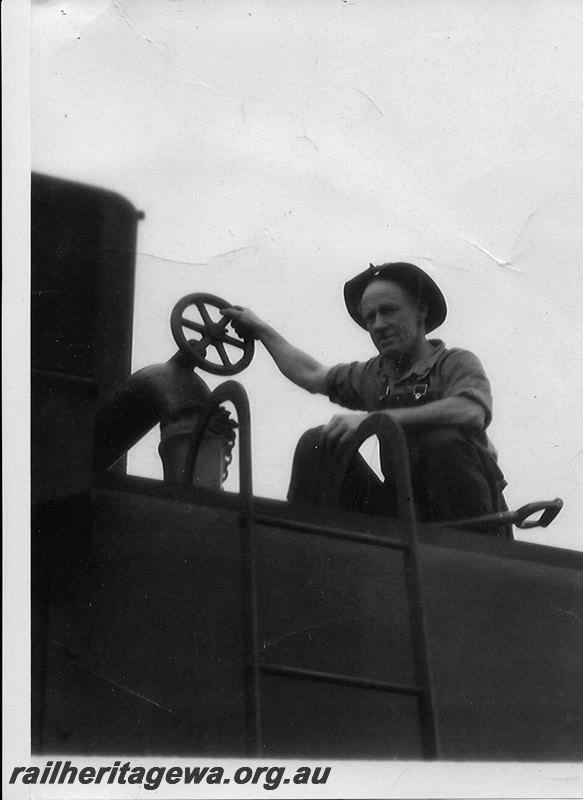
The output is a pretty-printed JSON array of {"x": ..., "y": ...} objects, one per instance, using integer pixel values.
[
  {"x": 223, "y": 354},
  {"x": 204, "y": 314},
  {"x": 235, "y": 342},
  {"x": 194, "y": 326}
]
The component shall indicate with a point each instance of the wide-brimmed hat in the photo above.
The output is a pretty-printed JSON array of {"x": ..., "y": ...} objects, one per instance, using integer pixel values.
[{"x": 416, "y": 282}]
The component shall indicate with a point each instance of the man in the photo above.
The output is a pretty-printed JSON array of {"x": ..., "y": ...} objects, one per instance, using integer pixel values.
[{"x": 440, "y": 397}]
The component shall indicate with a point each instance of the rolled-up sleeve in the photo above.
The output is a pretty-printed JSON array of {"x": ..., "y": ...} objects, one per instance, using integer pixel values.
[
  {"x": 344, "y": 385},
  {"x": 462, "y": 375}
]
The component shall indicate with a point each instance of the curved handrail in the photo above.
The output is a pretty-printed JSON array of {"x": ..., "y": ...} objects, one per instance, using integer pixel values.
[
  {"x": 392, "y": 436},
  {"x": 229, "y": 391}
]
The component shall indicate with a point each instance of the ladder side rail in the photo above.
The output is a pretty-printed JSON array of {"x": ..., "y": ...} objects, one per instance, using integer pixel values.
[
  {"x": 391, "y": 435},
  {"x": 232, "y": 391}
]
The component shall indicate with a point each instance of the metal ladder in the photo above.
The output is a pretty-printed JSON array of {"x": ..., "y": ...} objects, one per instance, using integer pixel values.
[{"x": 391, "y": 434}]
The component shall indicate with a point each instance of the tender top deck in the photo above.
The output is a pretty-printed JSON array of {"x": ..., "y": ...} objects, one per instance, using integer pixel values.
[{"x": 142, "y": 602}]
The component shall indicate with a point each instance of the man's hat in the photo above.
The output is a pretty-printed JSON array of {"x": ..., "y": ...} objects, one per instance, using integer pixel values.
[{"x": 416, "y": 282}]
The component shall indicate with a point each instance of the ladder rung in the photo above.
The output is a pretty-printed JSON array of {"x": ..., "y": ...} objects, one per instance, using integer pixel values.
[
  {"x": 344, "y": 680},
  {"x": 334, "y": 533}
]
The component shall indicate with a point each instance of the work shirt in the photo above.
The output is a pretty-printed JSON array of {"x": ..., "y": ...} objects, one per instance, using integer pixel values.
[{"x": 373, "y": 385}]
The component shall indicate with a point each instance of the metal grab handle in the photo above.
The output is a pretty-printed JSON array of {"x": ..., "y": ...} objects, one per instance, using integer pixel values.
[
  {"x": 550, "y": 509},
  {"x": 390, "y": 433},
  {"x": 519, "y": 517}
]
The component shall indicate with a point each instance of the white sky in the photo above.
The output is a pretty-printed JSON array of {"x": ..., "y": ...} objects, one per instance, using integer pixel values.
[{"x": 276, "y": 148}]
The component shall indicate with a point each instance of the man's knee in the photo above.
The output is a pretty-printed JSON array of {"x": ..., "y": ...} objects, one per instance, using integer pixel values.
[
  {"x": 307, "y": 466},
  {"x": 315, "y": 477},
  {"x": 308, "y": 442}
]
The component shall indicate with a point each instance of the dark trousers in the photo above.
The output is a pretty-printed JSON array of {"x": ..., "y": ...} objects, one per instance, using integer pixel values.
[{"x": 453, "y": 478}]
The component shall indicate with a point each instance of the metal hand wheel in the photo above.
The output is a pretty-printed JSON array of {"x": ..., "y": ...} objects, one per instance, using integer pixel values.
[{"x": 211, "y": 335}]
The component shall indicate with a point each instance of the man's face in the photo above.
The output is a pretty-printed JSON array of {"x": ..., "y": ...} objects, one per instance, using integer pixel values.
[{"x": 394, "y": 321}]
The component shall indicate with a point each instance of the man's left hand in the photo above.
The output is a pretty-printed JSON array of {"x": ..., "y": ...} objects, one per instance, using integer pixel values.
[{"x": 339, "y": 431}]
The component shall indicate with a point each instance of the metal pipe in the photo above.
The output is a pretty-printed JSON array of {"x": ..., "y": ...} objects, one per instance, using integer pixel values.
[{"x": 156, "y": 394}]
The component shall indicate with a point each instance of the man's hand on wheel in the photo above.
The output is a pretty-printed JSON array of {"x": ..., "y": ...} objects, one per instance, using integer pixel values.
[{"x": 244, "y": 321}]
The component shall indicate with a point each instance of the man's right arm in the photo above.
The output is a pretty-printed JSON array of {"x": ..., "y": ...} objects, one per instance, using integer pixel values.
[{"x": 297, "y": 366}]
